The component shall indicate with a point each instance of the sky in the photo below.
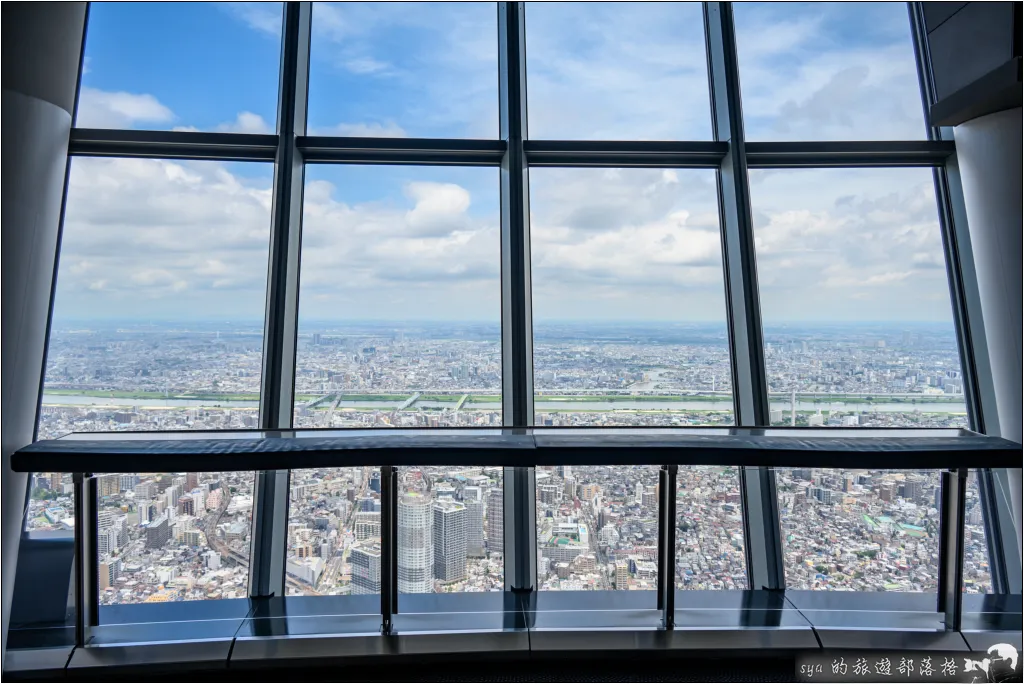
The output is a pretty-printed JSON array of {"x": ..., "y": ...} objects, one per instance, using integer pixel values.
[{"x": 175, "y": 239}]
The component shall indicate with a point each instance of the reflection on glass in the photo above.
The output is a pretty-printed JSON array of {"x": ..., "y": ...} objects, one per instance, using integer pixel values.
[
  {"x": 828, "y": 71},
  {"x": 977, "y": 573},
  {"x": 859, "y": 530},
  {"x": 858, "y": 328},
  {"x": 51, "y": 504},
  {"x": 617, "y": 71},
  {"x": 629, "y": 308},
  {"x": 173, "y": 536},
  {"x": 450, "y": 530},
  {"x": 397, "y": 69},
  {"x": 709, "y": 529},
  {"x": 399, "y": 315},
  {"x": 334, "y": 532},
  {"x": 183, "y": 66},
  {"x": 597, "y": 528}
]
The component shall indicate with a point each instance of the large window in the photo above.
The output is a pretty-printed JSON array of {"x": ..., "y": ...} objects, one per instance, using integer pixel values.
[
  {"x": 158, "y": 325},
  {"x": 199, "y": 66},
  {"x": 828, "y": 71},
  {"x": 597, "y": 528},
  {"x": 461, "y": 245},
  {"x": 617, "y": 71},
  {"x": 400, "y": 298},
  {"x": 860, "y": 530},
  {"x": 165, "y": 537},
  {"x": 709, "y": 529},
  {"x": 628, "y": 299},
  {"x": 858, "y": 329},
  {"x": 334, "y": 532},
  {"x": 398, "y": 69}
]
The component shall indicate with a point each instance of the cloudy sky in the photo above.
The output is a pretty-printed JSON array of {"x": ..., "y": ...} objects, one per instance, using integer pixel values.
[{"x": 162, "y": 239}]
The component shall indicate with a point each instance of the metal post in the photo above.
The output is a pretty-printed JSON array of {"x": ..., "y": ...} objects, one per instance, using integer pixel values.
[
  {"x": 667, "y": 545},
  {"x": 951, "y": 547},
  {"x": 86, "y": 559},
  {"x": 516, "y": 314},
  {"x": 750, "y": 390},
  {"x": 270, "y": 515},
  {"x": 388, "y": 547}
]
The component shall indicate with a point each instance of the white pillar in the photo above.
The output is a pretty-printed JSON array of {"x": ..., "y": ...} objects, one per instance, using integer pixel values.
[
  {"x": 989, "y": 149},
  {"x": 42, "y": 45}
]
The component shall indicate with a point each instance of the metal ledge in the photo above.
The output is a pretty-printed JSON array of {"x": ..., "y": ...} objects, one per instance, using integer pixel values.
[
  {"x": 652, "y": 154},
  {"x": 776, "y": 155},
  {"x": 766, "y": 447},
  {"x": 101, "y": 142},
  {"x": 408, "y": 151},
  {"x": 183, "y": 655}
]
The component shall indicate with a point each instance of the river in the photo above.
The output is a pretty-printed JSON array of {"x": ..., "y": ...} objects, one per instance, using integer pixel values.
[{"x": 685, "y": 403}]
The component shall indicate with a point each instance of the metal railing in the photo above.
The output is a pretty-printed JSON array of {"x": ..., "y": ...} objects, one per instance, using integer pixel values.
[{"x": 522, "y": 450}]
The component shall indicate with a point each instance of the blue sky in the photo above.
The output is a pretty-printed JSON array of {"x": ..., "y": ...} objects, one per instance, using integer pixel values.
[{"x": 190, "y": 238}]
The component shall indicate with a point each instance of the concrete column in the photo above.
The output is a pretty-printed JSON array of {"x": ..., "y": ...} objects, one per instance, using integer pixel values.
[
  {"x": 989, "y": 151},
  {"x": 42, "y": 47}
]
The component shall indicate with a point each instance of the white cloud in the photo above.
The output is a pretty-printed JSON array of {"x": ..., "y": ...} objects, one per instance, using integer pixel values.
[
  {"x": 388, "y": 129},
  {"x": 246, "y": 122},
  {"x": 101, "y": 109},
  {"x": 264, "y": 17}
]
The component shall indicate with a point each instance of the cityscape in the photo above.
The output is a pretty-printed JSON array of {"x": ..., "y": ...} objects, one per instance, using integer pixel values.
[{"x": 186, "y": 536}]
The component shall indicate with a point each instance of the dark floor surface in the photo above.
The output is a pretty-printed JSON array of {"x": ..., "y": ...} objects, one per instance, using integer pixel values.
[{"x": 575, "y": 669}]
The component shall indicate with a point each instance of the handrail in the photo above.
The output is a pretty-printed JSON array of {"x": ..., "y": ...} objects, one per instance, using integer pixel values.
[
  {"x": 893, "y": 449},
  {"x": 953, "y": 451}
]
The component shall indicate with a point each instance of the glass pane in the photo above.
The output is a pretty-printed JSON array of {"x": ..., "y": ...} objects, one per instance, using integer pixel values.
[
  {"x": 184, "y": 66},
  {"x": 334, "y": 532},
  {"x": 51, "y": 504},
  {"x": 617, "y": 71},
  {"x": 828, "y": 71},
  {"x": 392, "y": 70},
  {"x": 400, "y": 311},
  {"x": 597, "y": 528},
  {"x": 628, "y": 298},
  {"x": 859, "y": 530},
  {"x": 158, "y": 315},
  {"x": 977, "y": 573},
  {"x": 709, "y": 529},
  {"x": 858, "y": 327},
  {"x": 173, "y": 536},
  {"x": 450, "y": 530}
]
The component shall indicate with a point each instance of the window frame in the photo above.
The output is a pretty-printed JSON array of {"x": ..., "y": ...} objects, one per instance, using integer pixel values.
[{"x": 513, "y": 152}]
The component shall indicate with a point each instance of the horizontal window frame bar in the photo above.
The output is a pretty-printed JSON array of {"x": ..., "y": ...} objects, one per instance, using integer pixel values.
[
  {"x": 200, "y": 145},
  {"x": 97, "y": 142},
  {"x": 918, "y": 153},
  {"x": 403, "y": 151},
  {"x": 518, "y": 447},
  {"x": 618, "y": 153}
]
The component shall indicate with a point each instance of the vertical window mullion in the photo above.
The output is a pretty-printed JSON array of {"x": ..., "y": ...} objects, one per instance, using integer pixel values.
[
  {"x": 516, "y": 314},
  {"x": 750, "y": 393},
  {"x": 277, "y": 385}
]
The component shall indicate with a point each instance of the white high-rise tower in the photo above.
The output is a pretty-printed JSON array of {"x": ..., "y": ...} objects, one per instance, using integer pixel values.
[{"x": 415, "y": 544}]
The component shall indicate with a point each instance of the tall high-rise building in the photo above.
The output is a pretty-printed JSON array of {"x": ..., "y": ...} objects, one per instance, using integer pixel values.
[
  {"x": 127, "y": 481},
  {"x": 496, "y": 520},
  {"x": 191, "y": 481},
  {"x": 473, "y": 500},
  {"x": 108, "y": 485},
  {"x": 415, "y": 547},
  {"x": 449, "y": 540},
  {"x": 365, "y": 560},
  {"x": 158, "y": 532}
]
